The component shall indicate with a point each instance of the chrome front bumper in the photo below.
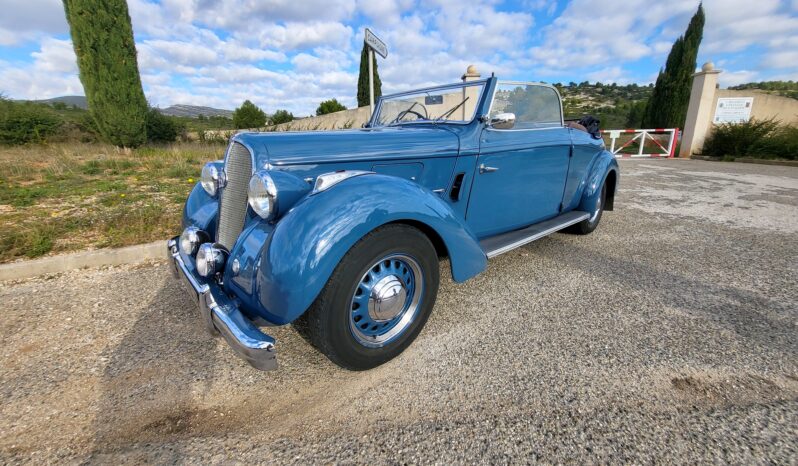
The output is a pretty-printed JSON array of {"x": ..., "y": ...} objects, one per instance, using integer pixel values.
[{"x": 221, "y": 315}]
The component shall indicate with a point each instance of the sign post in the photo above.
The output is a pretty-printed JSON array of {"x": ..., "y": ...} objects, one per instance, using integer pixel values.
[
  {"x": 375, "y": 45},
  {"x": 371, "y": 79}
]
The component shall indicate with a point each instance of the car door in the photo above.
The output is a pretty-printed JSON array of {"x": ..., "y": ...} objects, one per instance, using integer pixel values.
[{"x": 520, "y": 172}]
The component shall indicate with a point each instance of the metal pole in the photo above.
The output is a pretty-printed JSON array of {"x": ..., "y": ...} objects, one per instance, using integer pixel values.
[
  {"x": 371, "y": 79},
  {"x": 642, "y": 142}
]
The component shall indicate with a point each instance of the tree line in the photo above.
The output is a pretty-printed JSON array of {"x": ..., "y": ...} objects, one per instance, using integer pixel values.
[{"x": 102, "y": 37}]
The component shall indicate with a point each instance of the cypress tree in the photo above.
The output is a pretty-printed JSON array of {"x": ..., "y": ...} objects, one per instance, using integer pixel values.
[
  {"x": 363, "y": 79},
  {"x": 102, "y": 36},
  {"x": 667, "y": 106}
]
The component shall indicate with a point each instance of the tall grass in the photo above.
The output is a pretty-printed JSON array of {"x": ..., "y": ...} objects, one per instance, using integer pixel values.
[{"x": 63, "y": 197}]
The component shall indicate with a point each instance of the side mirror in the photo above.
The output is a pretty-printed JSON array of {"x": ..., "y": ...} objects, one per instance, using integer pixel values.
[{"x": 502, "y": 121}]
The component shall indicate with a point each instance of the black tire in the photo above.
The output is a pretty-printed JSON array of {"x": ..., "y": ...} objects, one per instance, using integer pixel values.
[
  {"x": 329, "y": 323},
  {"x": 587, "y": 226}
]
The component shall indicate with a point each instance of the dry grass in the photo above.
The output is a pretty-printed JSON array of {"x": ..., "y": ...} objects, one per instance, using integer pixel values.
[{"x": 63, "y": 197}]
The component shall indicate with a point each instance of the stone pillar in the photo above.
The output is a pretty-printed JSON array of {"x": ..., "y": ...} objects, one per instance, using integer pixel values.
[
  {"x": 472, "y": 93},
  {"x": 700, "y": 110}
]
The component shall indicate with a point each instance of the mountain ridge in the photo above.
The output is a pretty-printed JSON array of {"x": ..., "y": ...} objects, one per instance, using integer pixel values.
[{"x": 180, "y": 110}]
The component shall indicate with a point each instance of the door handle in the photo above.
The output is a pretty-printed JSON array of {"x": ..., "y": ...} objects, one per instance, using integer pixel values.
[{"x": 484, "y": 169}]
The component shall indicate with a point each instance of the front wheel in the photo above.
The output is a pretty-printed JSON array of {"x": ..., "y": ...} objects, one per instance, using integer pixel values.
[
  {"x": 377, "y": 300},
  {"x": 587, "y": 226}
]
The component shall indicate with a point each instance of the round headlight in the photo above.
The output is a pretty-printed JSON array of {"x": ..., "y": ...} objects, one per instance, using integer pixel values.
[
  {"x": 190, "y": 240},
  {"x": 210, "y": 260},
  {"x": 210, "y": 178},
  {"x": 263, "y": 195}
]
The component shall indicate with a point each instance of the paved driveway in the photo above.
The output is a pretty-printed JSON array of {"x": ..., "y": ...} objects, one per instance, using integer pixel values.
[{"x": 669, "y": 334}]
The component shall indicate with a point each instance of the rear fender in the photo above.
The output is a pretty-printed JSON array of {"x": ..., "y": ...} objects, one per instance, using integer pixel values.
[
  {"x": 299, "y": 255},
  {"x": 604, "y": 164}
]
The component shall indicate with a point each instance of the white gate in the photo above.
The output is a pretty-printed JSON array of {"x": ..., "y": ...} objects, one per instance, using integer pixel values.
[{"x": 656, "y": 144}]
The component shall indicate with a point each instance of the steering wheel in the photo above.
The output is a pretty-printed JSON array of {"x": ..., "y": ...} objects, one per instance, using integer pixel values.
[{"x": 412, "y": 112}]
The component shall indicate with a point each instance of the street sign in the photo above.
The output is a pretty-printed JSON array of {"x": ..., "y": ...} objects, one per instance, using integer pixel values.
[{"x": 376, "y": 44}]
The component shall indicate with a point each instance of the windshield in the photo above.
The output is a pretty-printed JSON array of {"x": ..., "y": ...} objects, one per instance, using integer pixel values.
[{"x": 446, "y": 104}]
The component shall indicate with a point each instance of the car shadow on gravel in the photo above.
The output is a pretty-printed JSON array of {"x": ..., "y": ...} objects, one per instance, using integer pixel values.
[{"x": 153, "y": 375}]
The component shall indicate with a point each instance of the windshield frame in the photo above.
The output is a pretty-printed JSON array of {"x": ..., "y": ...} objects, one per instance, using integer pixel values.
[{"x": 479, "y": 82}]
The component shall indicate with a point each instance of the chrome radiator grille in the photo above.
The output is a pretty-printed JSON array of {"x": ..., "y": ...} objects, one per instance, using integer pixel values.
[{"x": 233, "y": 203}]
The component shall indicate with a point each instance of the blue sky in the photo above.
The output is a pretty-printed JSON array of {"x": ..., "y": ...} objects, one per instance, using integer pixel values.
[{"x": 294, "y": 53}]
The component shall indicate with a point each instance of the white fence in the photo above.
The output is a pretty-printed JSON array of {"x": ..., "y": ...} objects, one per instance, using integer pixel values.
[{"x": 650, "y": 142}]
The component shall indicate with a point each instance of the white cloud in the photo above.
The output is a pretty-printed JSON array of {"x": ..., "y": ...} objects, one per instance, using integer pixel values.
[
  {"x": 320, "y": 60},
  {"x": 249, "y": 15},
  {"x": 384, "y": 12},
  {"x": 733, "y": 78},
  {"x": 478, "y": 28},
  {"x": 612, "y": 74},
  {"x": 23, "y": 21},
  {"x": 782, "y": 59},
  {"x": 56, "y": 56},
  {"x": 52, "y": 73},
  {"x": 733, "y": 25},
  {"x": 293, "y": 36},
  {"x": 585, "y": 36}
]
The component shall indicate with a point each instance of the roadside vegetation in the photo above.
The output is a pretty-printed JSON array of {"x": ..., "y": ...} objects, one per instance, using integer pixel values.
[
  {"x": 759, "y": 139},
  {"x": 70, "y": 196}
]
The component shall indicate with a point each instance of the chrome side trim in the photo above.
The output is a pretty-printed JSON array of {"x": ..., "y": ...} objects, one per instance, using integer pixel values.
[
  {"x": 527, "y": 235},
  {"x": 326, "y": 181},
  {"x": 249, "y": 343}
]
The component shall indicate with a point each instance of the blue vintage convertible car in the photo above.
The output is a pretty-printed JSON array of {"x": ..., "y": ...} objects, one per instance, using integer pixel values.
[{"x": 340, "y": 232}]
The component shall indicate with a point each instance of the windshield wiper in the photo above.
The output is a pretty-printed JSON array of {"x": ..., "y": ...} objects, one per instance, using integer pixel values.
[
  {"x": 446, "y": 115},
  {"x": 402, "y": 114}
]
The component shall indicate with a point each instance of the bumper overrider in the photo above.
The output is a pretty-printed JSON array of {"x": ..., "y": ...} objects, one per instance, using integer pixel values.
[{"x": 221, "y": 315}]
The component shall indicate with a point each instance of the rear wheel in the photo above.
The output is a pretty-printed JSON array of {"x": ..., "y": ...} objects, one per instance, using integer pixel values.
[
  {"x": 587, "y": 226},
  {"x": 377, "y": 300}
]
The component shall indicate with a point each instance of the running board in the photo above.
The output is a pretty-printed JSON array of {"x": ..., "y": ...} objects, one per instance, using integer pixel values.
[{"x": 504, "y": 242}]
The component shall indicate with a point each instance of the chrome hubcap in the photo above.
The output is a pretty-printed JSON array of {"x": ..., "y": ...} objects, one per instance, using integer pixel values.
[{"x": 386, "y": 300}]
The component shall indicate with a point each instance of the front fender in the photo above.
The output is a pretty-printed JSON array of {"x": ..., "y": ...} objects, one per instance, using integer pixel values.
[
  {"x": 306, "y": 245},
  {"x": 200, "y": 211},
  {"x": 602, "y": 166}
]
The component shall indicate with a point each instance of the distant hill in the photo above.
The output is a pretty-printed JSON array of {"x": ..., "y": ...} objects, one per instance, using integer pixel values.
[
  {"x": 610, "y": 103},
  {"x": 70, "y": 100},
  {"x": 189, "y": 111},
  {"x": 193, "y": 111}
]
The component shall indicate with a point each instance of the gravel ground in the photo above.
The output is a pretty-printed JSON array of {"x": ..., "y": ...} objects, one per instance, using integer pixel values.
[{"x": 668, "y": 335}]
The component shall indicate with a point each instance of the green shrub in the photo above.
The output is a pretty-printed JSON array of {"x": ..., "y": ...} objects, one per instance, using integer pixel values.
[
  {"x": 781, "y": 144},
  {"x": 737, "y": 140},
  {"x": 248, "y": 115},
  {"x": 329, "y": 106},
  {"x": 281, "y": 116},
  {"x": 162, "y": 128},
  {"x": 22, "y": 123},
  {"x": 765, "y": 139}
]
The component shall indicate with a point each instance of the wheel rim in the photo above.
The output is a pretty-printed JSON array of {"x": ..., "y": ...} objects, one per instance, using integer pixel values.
[
  {"x": 386, "y": 300},
  {"x": 598, "y": 208}
]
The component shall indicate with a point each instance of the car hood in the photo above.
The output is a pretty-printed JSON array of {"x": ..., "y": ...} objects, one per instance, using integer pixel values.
[{"x": 314, "y": 147}]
